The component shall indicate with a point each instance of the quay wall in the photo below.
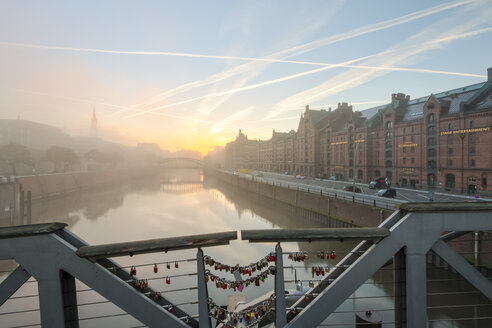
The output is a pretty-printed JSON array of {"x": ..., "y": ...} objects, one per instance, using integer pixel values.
[
  {"x": 52, "y": 185},
  {"x": 477, "y": 253},
  {"x": 357, "y": 214}
]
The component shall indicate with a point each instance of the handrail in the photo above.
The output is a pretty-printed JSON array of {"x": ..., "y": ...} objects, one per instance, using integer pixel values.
[
  {"x": 156, "y": 245},
  {"x": 30, "y": 230},
  {"x": 445, "y": 207},
  {"x": 319, "y": 234}
]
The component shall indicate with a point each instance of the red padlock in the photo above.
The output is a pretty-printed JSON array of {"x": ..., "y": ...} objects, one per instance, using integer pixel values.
[
  {"x": 176, "y": 265},
  {"x": 155, "y": 268},
  {"x": 333, "y": 255},
  {"x": 168, "y": 281}
]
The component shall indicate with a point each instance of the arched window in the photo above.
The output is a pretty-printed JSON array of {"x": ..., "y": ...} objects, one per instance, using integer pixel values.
[
  {"x": 430, "y": 118},
  {"x": 450, "y": 181}
]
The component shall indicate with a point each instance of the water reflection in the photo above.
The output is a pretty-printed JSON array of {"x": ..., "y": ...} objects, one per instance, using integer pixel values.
[{"x": 182, "y": 202}]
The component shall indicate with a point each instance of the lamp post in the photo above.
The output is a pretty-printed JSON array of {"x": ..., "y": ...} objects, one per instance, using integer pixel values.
[
  {"x": 462, "y": 137},
  {"x": 353, "y": 168}
]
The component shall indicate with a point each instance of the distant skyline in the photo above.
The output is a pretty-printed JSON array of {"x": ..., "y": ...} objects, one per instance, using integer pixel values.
[{"x": 188, "y": 75}]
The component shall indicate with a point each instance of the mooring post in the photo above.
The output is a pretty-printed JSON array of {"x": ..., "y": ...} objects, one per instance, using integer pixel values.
[
  {"x": 29, "y": 205},
  {"x": 21, "y": 206},
  {"x": 280, "y": 314},
  {"x": 203, "y": 317}
]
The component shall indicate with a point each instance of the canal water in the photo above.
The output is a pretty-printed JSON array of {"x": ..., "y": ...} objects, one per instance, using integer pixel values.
[{"x": 185, "y": 202}]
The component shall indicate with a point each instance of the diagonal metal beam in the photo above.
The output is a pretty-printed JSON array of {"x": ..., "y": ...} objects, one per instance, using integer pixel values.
[
  {"x": 347, "y": 283},
  {"x": 12, "y": 283},
  {"x": 464, "y": 268},
  {"x": 33, "y": 250}
]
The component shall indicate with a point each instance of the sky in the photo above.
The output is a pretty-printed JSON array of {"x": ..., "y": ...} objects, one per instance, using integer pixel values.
[{"x": 190, "y": 74}]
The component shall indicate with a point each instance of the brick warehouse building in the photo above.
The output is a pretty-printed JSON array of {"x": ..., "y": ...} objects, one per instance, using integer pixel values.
[{"x": 441, "y": 141}]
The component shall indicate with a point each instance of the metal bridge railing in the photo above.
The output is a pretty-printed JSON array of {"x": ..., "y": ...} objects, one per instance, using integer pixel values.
[
  {"x": 359, "y": 198},
  {"x": 82, "y": 285}
]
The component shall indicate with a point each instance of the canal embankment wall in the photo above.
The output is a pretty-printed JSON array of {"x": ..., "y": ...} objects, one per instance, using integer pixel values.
[
  {"x": 343, "y": 210},
  {"x": 53, "y": 185},
  {"x": 474, "y": 248}
]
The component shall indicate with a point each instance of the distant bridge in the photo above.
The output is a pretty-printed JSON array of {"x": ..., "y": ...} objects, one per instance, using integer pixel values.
[{"x": 182, "y": 162}]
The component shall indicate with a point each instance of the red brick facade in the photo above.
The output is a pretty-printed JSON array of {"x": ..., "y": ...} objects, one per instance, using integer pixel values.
[{"x": 441, "y": 141}]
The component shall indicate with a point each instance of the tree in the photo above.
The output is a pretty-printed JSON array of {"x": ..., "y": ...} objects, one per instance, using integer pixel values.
[
  {"x": 61, "y": 155},
  {"x": 103, "y": 158},
  {"x": 15, "y": 154}
]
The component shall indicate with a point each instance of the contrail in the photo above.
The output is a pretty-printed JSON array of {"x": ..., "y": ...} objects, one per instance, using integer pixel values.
[
  {"x": 346, "y": 80},
  {"x": 323, "y": 42},
  {"x": 249, "y": 87},
  {"x": 294, "y": 76},
  {"x": 300, "y": 49},
  {"x": 86, "y": 101}
]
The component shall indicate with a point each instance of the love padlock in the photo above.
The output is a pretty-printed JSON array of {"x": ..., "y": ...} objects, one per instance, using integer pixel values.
[
  {"x": 176, "y": 265},
  {"x": 155, "y": 268},
  {"x": 168, "y": 266},
  {"x": 333, "y": 255},
  {"x": 168, "y": 280}
]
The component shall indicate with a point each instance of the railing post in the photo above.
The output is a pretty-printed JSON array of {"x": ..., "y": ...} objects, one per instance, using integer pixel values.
[
  {"x": 69, "y": 292},
  {"x": 399, "y": 288},
  {"x": 280, "y": 314},
  {"x": 51, "y": 300},
  {"x": 416, "y": 290},
  {"x": 204, "y": 319}
]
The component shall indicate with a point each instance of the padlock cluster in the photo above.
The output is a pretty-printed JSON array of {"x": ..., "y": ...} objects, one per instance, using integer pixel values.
[
  {"x": 246, "y": 318},
  {"x": 298, "y": 256},
  {"x": 156, "y": 296},
  {"x": 319, "y": 270},
  {"x": 248, "y": 269},
  {"x": 327, "y": 255},
  {"x": 140, "y": 285},
  {"x": 239, "y": 285}
]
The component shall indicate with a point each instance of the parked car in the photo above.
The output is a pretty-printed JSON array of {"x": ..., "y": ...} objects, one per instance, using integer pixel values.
[
  {"x": 236, "y": 173},
  {"x": 259, "y": 175},
  {"x": 286, "y": 173},
  {"x": 300, "y": 176},
  {"x": 377, "y": 183},
  {"x": 332, "y": 178},
  {"x": 352, "y": 189},
  {"x": 389, "y": 193}
]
